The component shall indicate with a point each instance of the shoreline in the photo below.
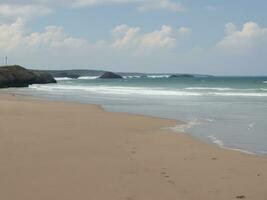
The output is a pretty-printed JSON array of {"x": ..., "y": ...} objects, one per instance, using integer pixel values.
[
  {"x": 178, "y": 123},
  {"x": 61, "y": 150}
]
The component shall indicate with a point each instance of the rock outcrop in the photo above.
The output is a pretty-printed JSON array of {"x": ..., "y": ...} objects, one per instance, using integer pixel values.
[
  {"x": 17, "y": 76},
  {"x": 110, "y": 75},
  {"x": 74, "y": 73},
  {"x": 181, "y": 76}
]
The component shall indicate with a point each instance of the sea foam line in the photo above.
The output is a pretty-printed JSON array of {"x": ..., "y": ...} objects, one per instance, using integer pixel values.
[
  {"x": 63, "y": 78},
  {"x": 182, "y": 128},
  {"x": 133, "y": 76},
  {"x": 103, "y": 89},
  {"x": 254, "y": 94},
  {"x": 208, "y": 88},
  {"x": 88, "y": 77},
  {"x": 158, "y": 76},
  {"x": 220, "y": 143},
  {"x": 225, "y": 89},
  {"x": 114, "y": 90}
]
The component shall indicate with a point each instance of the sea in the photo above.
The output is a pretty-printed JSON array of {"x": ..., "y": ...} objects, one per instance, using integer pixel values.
[{"x": 230, "y": 112}]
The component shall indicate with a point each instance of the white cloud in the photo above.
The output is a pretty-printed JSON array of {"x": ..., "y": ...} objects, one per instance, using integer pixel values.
[
  {"x": 55, "y": 37},
  {"x": 249, "y": 37},
  {"x": 14, "y": 36},
  {"x": 131, "y": 37},
  {"x": 11, "y": 35},
  {"x": 160, "y": 38},
  {"x": 230, "y": 29},
  {"x": 54, "y": 47},
  {"x": 124, "y": 35},
  {"x": 133, "y": 49},
  {"x": 23, "y": 11}
]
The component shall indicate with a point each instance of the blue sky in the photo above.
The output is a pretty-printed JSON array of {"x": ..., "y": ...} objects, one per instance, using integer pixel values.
[{"x": 223, "y": 37}]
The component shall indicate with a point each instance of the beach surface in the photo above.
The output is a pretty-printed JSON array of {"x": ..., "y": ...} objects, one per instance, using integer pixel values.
[{"x": 66, "y": 151}]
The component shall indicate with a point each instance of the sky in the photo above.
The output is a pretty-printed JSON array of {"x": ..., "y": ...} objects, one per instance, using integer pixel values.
[{"x": 222, "y": 37}]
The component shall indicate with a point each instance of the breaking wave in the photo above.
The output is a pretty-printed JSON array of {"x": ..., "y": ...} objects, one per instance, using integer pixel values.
[
  {"x": 63, "y": 78},
  {"x": 158, "y": 76},
  {"x": 131, "y": 76},
  {"x": 114, "y": 90},
  {"x": 88, "y": 77},
  {"x": 225, "y": 89},
  {"x": 103, "y": 89}
]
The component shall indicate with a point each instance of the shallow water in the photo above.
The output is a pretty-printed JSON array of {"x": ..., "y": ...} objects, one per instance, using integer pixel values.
[{"x": 228, "y": 111}]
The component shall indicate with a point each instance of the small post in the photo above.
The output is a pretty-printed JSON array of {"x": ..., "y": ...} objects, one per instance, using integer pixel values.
[{"x": 6, "y": 59}]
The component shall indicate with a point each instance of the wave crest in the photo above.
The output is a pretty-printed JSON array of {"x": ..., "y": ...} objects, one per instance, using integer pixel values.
[
  {"x": 119, "y": 90},
  {"x": 88, "y": 77},
  {"x": 63, "y": 78}
]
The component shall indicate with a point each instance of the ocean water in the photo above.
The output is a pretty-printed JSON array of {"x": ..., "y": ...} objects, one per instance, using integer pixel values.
[{"x": 228, "y": 111}]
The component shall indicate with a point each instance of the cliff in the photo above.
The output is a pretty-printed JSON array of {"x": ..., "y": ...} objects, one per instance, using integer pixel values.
[{"x": 17, "y": 76}]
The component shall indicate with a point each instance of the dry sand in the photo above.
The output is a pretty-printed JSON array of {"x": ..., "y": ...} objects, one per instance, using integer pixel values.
[{"x": 67, "y": 151}]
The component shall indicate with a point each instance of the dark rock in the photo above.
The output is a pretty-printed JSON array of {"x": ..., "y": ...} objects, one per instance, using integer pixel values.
[
  {"x": 73, "y": 76},
  {"x": 64, "y": 74},
  {"x": 17, "y": 76},
  {"x": 74, "y": 73},
  {"x": 182, "y": 76},
  {"x": 110, "y": 75}
]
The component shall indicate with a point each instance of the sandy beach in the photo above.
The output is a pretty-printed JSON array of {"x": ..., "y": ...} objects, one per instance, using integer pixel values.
[{"x": 66, "y": 151}]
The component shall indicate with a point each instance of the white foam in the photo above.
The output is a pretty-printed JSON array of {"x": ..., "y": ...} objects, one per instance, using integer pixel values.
[
  {"x": 264, "y": 81},
  {"x": 225, "y": 89},
  {"x": 114, "y": 90},
  {"x": 254, "y": 94},
  {"x": 216, "y": 140},
  {"x": 208, "y": 88},
  {"x": 131, "y": 77},
  {"x": 63, "y": 78},
  {"x": 156, "y": 91},
  {"x": 158, "y": 76},
  {"x": 182, "y": 128},
  {"x": 220, "y": 143},
  {"x": 88, "y": 77}
]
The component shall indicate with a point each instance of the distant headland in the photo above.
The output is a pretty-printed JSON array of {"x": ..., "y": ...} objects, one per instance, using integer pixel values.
[{"x": 17, "y": 76}]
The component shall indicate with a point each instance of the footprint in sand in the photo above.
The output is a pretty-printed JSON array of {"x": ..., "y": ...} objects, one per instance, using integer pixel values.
[
  {"x": 133, "y": 151},
  {"x": 167, "y": 176},
  {"x": 171, "y": 182},
  {"x": 240, "y": 197}
]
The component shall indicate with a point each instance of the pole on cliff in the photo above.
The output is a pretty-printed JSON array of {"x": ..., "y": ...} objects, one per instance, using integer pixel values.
[{"x": 6, "y": 59}]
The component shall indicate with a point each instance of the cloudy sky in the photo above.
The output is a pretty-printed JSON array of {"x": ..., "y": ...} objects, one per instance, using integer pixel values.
[{"x": 223, "y": 37}]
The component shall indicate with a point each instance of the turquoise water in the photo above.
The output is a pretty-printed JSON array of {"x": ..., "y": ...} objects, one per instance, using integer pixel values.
[{"x": 228, "y": 111}]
